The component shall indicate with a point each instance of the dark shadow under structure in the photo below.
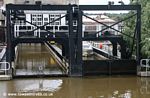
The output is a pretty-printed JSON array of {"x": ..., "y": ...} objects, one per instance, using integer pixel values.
[{"x": 71, "y": 40}]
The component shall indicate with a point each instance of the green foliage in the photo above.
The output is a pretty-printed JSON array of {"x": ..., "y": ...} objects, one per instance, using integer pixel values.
[
  {"x": 116, "y": 17},
  {"x": 129, "y": 26},
  {"x": 146, "y": 30},
  {"x": 129, "y": 29},
  {"x": 145, "y": 27}
]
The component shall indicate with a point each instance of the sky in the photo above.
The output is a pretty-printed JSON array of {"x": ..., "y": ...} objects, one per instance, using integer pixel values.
[
  {"x": 103, "y": 2},
  {"x": 100, "y": 2}
]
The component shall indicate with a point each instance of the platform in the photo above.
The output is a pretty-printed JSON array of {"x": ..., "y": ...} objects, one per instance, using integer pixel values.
[
  {"x": 144, "y": 74},
  {"x": 24, "y": 72},
  {"x": 5, "y": 77}
]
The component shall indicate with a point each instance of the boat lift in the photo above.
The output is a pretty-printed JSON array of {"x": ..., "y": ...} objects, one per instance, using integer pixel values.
[{"x": 72, "y": 39}]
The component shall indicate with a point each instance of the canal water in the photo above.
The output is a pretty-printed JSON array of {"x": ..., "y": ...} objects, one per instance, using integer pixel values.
[
  {"x": 67, "y": 87},
  {"x": 81, "y": 87}
]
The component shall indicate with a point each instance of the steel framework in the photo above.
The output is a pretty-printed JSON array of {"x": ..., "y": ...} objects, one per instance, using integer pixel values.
[{"x": 73, "y": 38}]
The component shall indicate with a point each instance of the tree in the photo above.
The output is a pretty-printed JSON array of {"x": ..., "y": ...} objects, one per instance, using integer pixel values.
[{"x": 145, "y": 31}]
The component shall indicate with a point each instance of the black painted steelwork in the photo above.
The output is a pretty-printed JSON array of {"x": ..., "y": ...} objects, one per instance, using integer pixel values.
[
  {"x": 110, "y": 67},
  {"x": 71, "y": 40},
  {"x": 125, "y": 65},
  {"x": 137, "y": 32},
  {"x": 74, "y": 44}
]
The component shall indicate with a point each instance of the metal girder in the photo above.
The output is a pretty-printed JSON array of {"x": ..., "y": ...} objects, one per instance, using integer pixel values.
[
  {"x": 116, "y": 38},
  {"x": 109, "y": 7},
  {"x": 37, "y": 7},
  {"x": 36, "y": 40},
  {"x": 9, "y": 40},
  {"x": 65, "y": 7}
]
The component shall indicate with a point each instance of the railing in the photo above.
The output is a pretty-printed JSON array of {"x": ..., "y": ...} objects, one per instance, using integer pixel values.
[
  {"x": 6, "y": 67},
  {"x": 2, "y": 53},
  {"x": 105, "y": 48},
  {"x": 59, "y": 57},
  {"x": 145, "y": 64},
  {"x": 27, "y": 30}
]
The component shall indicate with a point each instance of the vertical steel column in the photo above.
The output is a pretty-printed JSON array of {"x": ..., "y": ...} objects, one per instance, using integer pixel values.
[
  {"x": 13, "y": 45},
  {"x": 8, "y": 39},
  {"x": 114, "y": 49},
  {"x": 79, "y": 43},
  {"x": 138, "y": 36},
  {"x": 65, "y": 48},
  {"x": 123, "y": 49},
  {"x": 75, "y": 44},
  {"x": 71, "y": 43}
]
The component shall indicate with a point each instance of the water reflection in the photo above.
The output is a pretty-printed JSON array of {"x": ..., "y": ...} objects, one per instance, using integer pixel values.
[
  {"x": 144, "y": 86},
  {"x": 87, "y": 87},
  {"x": 39, "y": 85}
]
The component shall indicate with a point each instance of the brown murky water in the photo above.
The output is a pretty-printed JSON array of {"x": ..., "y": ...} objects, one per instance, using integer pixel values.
[
  {"x": 69, "y": 87},
  {"x": 87, "y": 87}
]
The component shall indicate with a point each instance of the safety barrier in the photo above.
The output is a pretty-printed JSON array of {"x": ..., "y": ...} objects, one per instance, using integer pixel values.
[
  {"x": 59, "y": 57},
  {"x": 2, "y": 53},
  {"x": 145, "y": 62},
  {"x": 6, "y": 67},
  {"x": 144, "y": 67}
]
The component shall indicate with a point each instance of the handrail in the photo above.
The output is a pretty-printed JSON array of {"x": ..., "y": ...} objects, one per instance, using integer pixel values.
[
  {"x": 5, "y": 69},
  {"x": 147, "y": 63},
  {"x": 2, "y": 53}
]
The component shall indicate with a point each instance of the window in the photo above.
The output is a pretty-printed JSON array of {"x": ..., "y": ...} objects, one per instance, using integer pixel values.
[
  {"x": 51, "y": 15},
  {"x": 20, "y": 22},
  {"x": 45, "y": 19},
  {"x": 56, "y": 23},
  {"x": 57, "y": 16},
  {"x": 74, "y": 23},
  {"x": 90, "y": 28},
  {"x": 34, "y": 23},
  {"x": 54, "y": 17},
  {"x": 37, "y": 19},
  {"x": 45, "y": 23},
  {"x": 51, "y": 19},
  {"x": 39, "y": 23}
]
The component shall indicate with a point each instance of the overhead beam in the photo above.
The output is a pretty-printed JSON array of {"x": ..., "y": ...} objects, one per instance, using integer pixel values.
[
  {"x": 109, "y": 7},
  {"x": 37, "y": 7}
]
